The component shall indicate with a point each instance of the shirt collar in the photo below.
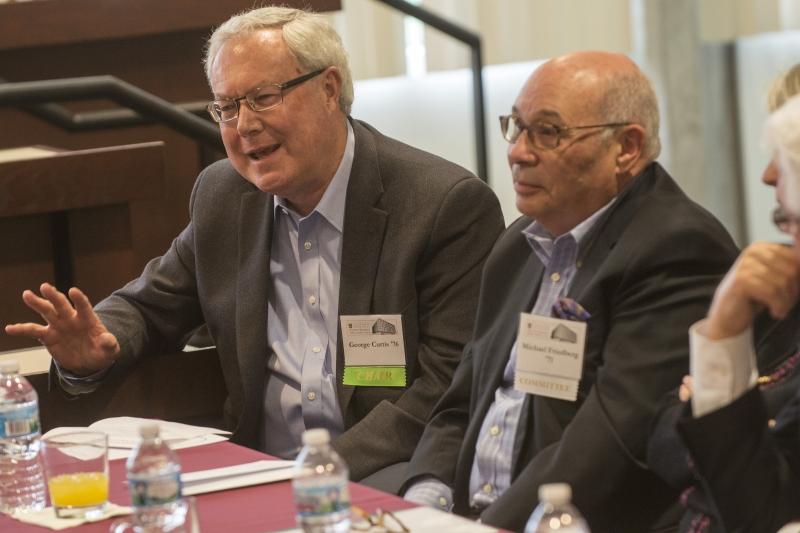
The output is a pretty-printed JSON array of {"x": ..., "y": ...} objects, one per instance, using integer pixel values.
[
  {"x": 331, "y": 205},
  {"x": 542, "y": 241}
]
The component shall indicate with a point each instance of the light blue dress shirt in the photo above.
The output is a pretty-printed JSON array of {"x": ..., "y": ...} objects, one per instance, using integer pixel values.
[
  {"x": 302, "y": 320},
  {"x": 491, "y": 469},
  {"x": 303, "y": 315}
]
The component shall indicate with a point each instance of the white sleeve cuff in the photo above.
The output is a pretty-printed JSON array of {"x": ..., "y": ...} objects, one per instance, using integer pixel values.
[{"x": 722, "y": 370}]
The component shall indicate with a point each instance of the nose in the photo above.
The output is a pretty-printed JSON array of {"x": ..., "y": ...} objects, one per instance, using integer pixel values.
[
  {"x": 248, "y": 122},
  {"x": 520, "y": 152},
  {"x": 770, "y": 174}
]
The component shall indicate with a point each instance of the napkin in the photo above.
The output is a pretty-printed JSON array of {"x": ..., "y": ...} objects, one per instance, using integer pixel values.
[
  {"x": 123, "y": 434},
  {"x": 231, "y": 477},
  {"x": 47, "y": 517}
]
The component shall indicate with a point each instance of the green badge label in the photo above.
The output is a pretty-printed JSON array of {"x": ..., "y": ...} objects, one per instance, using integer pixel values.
[{"x": 375, "y": 376}]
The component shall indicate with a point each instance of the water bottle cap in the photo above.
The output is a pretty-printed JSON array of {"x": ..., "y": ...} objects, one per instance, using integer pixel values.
[
  {"x": 10, "y": 366},
  {"x": 316, "y": 437},
  {"x": 555, "y": 493},
  {"x": 149, "y": 430}
]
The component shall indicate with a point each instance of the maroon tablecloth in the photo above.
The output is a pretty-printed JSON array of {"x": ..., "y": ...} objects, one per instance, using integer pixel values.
[{"x": 257, "y": 509}]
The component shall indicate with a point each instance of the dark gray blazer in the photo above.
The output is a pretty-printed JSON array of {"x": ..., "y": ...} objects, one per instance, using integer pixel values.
[
  {"x": 417, "y": 230},
  {"x": 649, "y": 268},
  {"x": 748, "y": 473}
]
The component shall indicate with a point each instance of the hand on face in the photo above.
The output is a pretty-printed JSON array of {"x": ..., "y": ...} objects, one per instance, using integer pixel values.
[
  {"x": 74, "y": 336},
  {"x": 765, "y": 276}
]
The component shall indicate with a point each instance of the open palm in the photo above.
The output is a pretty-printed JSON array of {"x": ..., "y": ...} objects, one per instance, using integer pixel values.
[{"x": 73, "y": 334}]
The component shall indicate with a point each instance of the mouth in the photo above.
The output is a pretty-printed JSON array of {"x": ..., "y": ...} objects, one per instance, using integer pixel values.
[
  {"x": 525, "y": 188},
  {"x": 261, "y": 153}
]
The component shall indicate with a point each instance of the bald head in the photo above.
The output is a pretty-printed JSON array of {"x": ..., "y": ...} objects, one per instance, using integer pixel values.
[{"x": 607, "y": 88}]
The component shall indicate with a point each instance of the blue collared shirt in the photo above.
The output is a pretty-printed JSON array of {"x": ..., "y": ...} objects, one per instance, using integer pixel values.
[
  {"x": 302, "y": 324},
  {"x": 491, "y": 468}
]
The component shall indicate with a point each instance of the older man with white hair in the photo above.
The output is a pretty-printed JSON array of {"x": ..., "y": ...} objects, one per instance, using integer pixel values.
[
  {"x": 749, "y": 465},
  {"x": 315, "y": 227}
]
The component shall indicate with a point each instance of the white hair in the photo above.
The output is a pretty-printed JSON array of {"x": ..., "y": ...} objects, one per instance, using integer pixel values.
[
  {"x": 782, "y": 135},
  {"x": 309, "y": 37}
]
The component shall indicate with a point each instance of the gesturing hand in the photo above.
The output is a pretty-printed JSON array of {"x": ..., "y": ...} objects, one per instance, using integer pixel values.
[{"x": 74, "y": 336}]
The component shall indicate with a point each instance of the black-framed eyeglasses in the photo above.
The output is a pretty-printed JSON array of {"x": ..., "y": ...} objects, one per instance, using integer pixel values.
[
  {"x": 259, "y": 99},
  {"x": 380, "y": 520},
  {"x": 543, "y": 135},
  {"x": 785, "y": 221}
]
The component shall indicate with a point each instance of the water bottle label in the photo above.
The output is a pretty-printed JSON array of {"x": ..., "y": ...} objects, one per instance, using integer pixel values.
[
  {"x": 155, "y": 490},
  {"x": 321, "y": 500},
  {"x": 19, "y": 422}
]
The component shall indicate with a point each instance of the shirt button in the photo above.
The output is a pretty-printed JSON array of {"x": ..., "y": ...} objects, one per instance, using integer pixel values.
[
  {"x": 555, "y": 276},
  {"x": 578, "y": 263},
  {"x": 442, "y": 502},
  {"x": 312, "y": 300},
  {"x": 771, "y": 423},
  {"x": 487, "y": 488},
  {"x": 307, "y": 245},
  {"x": 494, "y": 431},
  {"x": 311, "y": 396},
  {"x": 316, "y": 349}
]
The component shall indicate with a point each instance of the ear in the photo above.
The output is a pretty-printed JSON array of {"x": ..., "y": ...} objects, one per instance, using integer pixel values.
[
  {"x": 332, "y": 86},
  {"x": 630, "y": 141}
]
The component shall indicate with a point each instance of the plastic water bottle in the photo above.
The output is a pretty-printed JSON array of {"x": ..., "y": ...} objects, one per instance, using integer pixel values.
[
  {"x": 154, "y": 481},
  {"x": 555, "y": 512},
  {"x": 320, "y": 486},
  {"x": 21, "y": 478}
]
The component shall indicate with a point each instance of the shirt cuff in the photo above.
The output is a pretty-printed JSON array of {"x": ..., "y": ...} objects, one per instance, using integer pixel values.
[
  {"x": 722, "y": 370},
  {"x": 74, "y": 384},
  {"x": 431, "y": 492}
]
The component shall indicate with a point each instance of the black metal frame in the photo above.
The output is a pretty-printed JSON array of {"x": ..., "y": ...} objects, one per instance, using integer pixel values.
[
  {"x": 37, "y": 97},
  {"x": 472, "y": 40}
]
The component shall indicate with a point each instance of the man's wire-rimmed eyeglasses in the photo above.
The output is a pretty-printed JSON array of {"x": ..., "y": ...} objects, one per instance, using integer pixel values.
[
  {"x": 259, "y": 99},
  {"x": 543, "y": 135},
  {"x": 379, "y": 521}
]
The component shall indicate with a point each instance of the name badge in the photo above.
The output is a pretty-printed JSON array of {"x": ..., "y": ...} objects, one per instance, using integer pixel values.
[
  {"x": 374, "y": 351},
  {"x": 549, "y": 356}
]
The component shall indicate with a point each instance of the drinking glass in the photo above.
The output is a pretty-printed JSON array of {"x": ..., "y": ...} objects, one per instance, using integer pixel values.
[{"x": 76, "y": 468}]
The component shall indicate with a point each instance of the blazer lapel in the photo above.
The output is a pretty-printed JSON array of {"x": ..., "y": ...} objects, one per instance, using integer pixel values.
[
  {"x": 363, "y": 234},
  {"x": 521, "y": 286},
  {"x": 519, "y": 300},
  {"x": 252, "y": 285},
  {"x": 606, "y": 232}
]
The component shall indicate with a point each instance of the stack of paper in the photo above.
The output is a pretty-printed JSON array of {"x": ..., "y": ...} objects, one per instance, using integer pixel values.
[{"x": 123, "y": 434}]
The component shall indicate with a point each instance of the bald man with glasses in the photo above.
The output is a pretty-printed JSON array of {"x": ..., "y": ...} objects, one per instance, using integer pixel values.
[{"x": 582, "y": 317}]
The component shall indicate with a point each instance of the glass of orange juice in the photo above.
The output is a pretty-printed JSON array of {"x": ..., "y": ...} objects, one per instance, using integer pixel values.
[{"x": 76, "y": 466}]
